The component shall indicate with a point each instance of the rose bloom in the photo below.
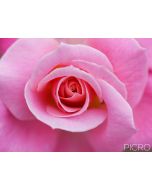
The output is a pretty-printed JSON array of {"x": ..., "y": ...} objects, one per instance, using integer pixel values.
[{"x": 75, "y": 94}]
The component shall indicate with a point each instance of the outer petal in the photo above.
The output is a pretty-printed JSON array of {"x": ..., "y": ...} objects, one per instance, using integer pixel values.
[
  {"x": 143, "y": 118},
  {"x": 100, "y": 72},
  {"x": 5, "y": 43},
  {"x": 72, "y": 40},
  {"x": 64, "y": 54},
  {"x": 120, "y": 124},
  {"x": 147, "y": 43},
  {"x": 129, "y": 62},
  {"x": 22, "y": 136},
  {"x": 143, "y": 112},
  {"x": 16, "y": 67},
  {"x": 73, "y": 142},
  {"x": 149, "y": 84}
]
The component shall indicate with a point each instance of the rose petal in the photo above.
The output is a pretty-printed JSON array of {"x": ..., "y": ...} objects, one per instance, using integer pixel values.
[
  {"x": 100, "y": 72},
  {"x": 64, "y": 55},
  {"x": 147, "y": 43},
  {"x": 149, "y": 84},
  {"x": 72, "y": 142},
  {"x": 5, "y": 43},
  {"x": 74, "y": 124},
  {"x": 26, "y": 136},
  {"x": 55, "y": 90},
  {"x": 72, "y": 40},
  {"x": 120, "y": 125},
  {"x": 143, "y": 118},
  {"x": 129, "y": 61},
  {"x": 57, "y": 113},
  {"x": 16, "y": 67},
  {"x": 69, "y": 71},
  {"x": 73, "y": 98}
]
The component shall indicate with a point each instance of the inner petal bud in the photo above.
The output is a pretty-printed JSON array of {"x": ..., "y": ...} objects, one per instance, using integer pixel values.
[
  {"x": 72, "y": 93},
  {"x": 70, "y": 86}
]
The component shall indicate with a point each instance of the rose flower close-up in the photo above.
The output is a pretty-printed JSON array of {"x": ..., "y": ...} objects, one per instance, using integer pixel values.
[{"x": 75, "y": 95}]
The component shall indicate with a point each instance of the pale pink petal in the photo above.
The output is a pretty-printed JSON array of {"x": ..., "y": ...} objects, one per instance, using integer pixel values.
[
  {"x": 129, "y": 61},
  {"x": 72, "y": 40},
  {"x": 16, "y": 67},
  {"x": 111, "y": 135},
  {"x": 143, "y": 111},
  {"x": 64, "y": 55},
  {"x": 147, "y": 43},
  {"x": 143, "y": 118},
  {"x": 100, "y": 72},
  {"x": 16, "y": 135}
]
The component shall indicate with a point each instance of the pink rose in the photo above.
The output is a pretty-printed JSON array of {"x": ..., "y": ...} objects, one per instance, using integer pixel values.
[{"x": 75, "y": 94}]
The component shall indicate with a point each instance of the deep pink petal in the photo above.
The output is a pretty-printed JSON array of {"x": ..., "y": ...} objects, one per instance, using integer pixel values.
[
  {"x": 120, "y": 125},
  {"x": 148, "y": 89},
  {"x": 16, "y": 67},
  {"x": 23, "y": 136},
  {"x": 129, "y": 61},
  {"x": 73, "y": 142},
  {"x": 5, "y": 43},
  {"x": 79, "y": 110},
  {"x": 57, "y": 113}
]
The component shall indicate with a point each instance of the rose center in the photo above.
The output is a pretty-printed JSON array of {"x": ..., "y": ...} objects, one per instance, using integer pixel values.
[
  {"x": 71, "y": 92},
  {"x": 73, "y": 87}
]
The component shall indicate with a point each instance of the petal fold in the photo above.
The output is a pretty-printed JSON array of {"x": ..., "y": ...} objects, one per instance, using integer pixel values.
[
  {"x": 16, "y": 67},
  {"x": 129, "y": 61},
  {"x": 119, "y": 126}
]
